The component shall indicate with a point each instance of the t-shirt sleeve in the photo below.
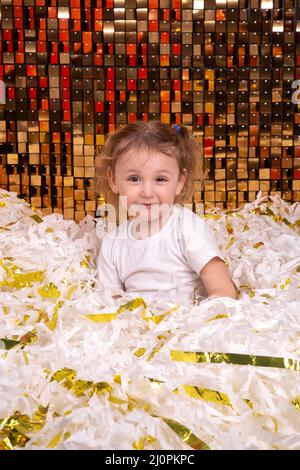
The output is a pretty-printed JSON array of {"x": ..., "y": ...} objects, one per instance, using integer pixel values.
[
  {"x": 199, "y": 243},
  {"x": 107, "y": 272}
]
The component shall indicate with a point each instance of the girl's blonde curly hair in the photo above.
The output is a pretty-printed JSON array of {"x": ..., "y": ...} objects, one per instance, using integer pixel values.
[{"x": 177, "y": 142}]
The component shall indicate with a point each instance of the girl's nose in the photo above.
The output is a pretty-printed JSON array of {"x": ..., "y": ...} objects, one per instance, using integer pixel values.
[{"x": 147, "y": 190}]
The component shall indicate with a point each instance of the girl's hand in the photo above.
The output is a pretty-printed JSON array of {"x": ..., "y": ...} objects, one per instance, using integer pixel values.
[{"x": 216, "y": 279}]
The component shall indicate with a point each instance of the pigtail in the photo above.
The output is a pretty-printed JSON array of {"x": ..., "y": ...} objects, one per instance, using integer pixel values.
[{"x": 193, "y": 161}]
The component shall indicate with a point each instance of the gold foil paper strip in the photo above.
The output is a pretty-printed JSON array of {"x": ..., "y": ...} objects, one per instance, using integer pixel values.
[
  {"x": 49, "y": 291},
  {"x": 28, "y": 338},
  {"x": 37, "y": 218},
  {"x": 16, "y": 279},
  {"x": 185, "y": 434},
  {"x": 140, "y": 444},
  {"x": 8, "y": 343},
  {"x": 79, "y": 387},
  {"x": 158, "y": 318},
  {"x": 296, "y": 402},
  {"x": 162, "y": 341},
  {"x": 218, "y": 317},
  {"x": 52, "y": 324},
  {"x": 236, "y": 359},
  {"x": 17, "y": 429},
  {"x": 107, "y": 317},
  {"x": 277, "y": 218},
  {"x": 207, "y": 395},
  {"x": 102, "y": 317}
]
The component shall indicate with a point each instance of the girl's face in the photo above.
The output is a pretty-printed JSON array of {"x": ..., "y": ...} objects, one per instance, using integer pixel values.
[{"x": 147, "y": 179}]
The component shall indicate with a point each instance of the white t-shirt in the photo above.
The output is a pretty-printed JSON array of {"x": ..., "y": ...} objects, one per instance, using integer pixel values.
[{"x": 164, "y": 266}]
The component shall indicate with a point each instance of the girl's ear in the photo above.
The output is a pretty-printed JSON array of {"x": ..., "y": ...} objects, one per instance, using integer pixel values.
[
  {"x": 181, "y": 181},
  {"x": 111, "y": 180}
]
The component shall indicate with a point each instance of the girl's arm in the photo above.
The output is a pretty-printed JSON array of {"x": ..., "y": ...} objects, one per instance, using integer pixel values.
[{"x": 216, "y": 279}]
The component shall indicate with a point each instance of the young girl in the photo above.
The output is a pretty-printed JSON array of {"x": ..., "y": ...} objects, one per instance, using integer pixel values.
[{"x": 164, "y": 251}]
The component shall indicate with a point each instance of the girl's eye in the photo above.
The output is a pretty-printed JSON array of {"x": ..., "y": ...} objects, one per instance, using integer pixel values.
[
  {"x": 161, "y": 179},
  {"x": 135, "y": 179}
]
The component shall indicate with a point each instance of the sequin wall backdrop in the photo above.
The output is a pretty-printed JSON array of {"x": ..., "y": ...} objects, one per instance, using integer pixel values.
[{"x": 73, "y": 71}]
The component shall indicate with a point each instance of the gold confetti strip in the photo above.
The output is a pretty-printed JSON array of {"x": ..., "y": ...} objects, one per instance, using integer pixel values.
[
  {"x": 229, "y": 228},
  {"x": 107, "y": 317},
  {"x": 51, "y": 324},
  {"x": 260, "y": 415},
  {"x": 118, "y": 379},
  {"x": 182, "y": 431},
  {"x": 296, "y": 402},
  {"x": 117, "y": 401},
  {"x": 143, "y": 441},
  {"x": 23, "y": 321},
  {"x": 28, "y": 338},
  {"x": 79, "y": 387},
  {"x": 231, "y": 241},
  {"x": 258, "y": 245},
  {"x": 212, "y": 216},
  {"x": 132, "y": 305},
  {"x": 25, "y": 357},
  {"x": 102, "y": 317},
  {"x": 286, "y": 283},
  {"x": 139, "y": 352},
  {"x": 185, "y": 434},
  {"x": 267, "y": 296},
  {"x": 250, "y": 291},
  {"x": 43, "y": 316},
  {"x": 234, "y": 212},
  {"x": 155, "y": 380},
  {"x": 155, "y": 350},
  {"x": 86, "y": 261},
  {"x": 162, "y": 341},
  {"x": 218, "y": 317},
  {"x": 37, "y": 218},
  {"x": 236, "y": 359},
  {"x": 70, "y": 292},
  {"x": 16, "y": 279},
  {"x": 49, "y": 291},
  {"x": 8, "y": 343},
  {"x": 18, "y": 429},
  {"x": 158, "y": 318},
  {"x": 2, "y": 204},
  {"x": 248, "y": 403},
  {"x": 207, "y": 395},
  {"x": 277, "y": 218},
  {"x": 57, "y": 439}
]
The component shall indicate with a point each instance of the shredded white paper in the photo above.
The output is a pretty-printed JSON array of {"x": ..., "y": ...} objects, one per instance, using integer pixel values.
[{"x": 126, "y": 356}]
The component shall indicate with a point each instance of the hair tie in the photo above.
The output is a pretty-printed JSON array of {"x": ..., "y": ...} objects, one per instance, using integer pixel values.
[{"x": 177, "y": 128}]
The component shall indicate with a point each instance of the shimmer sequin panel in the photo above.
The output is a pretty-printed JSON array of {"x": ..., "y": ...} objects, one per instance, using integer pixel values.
[{"x": 72, "y": 71}]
